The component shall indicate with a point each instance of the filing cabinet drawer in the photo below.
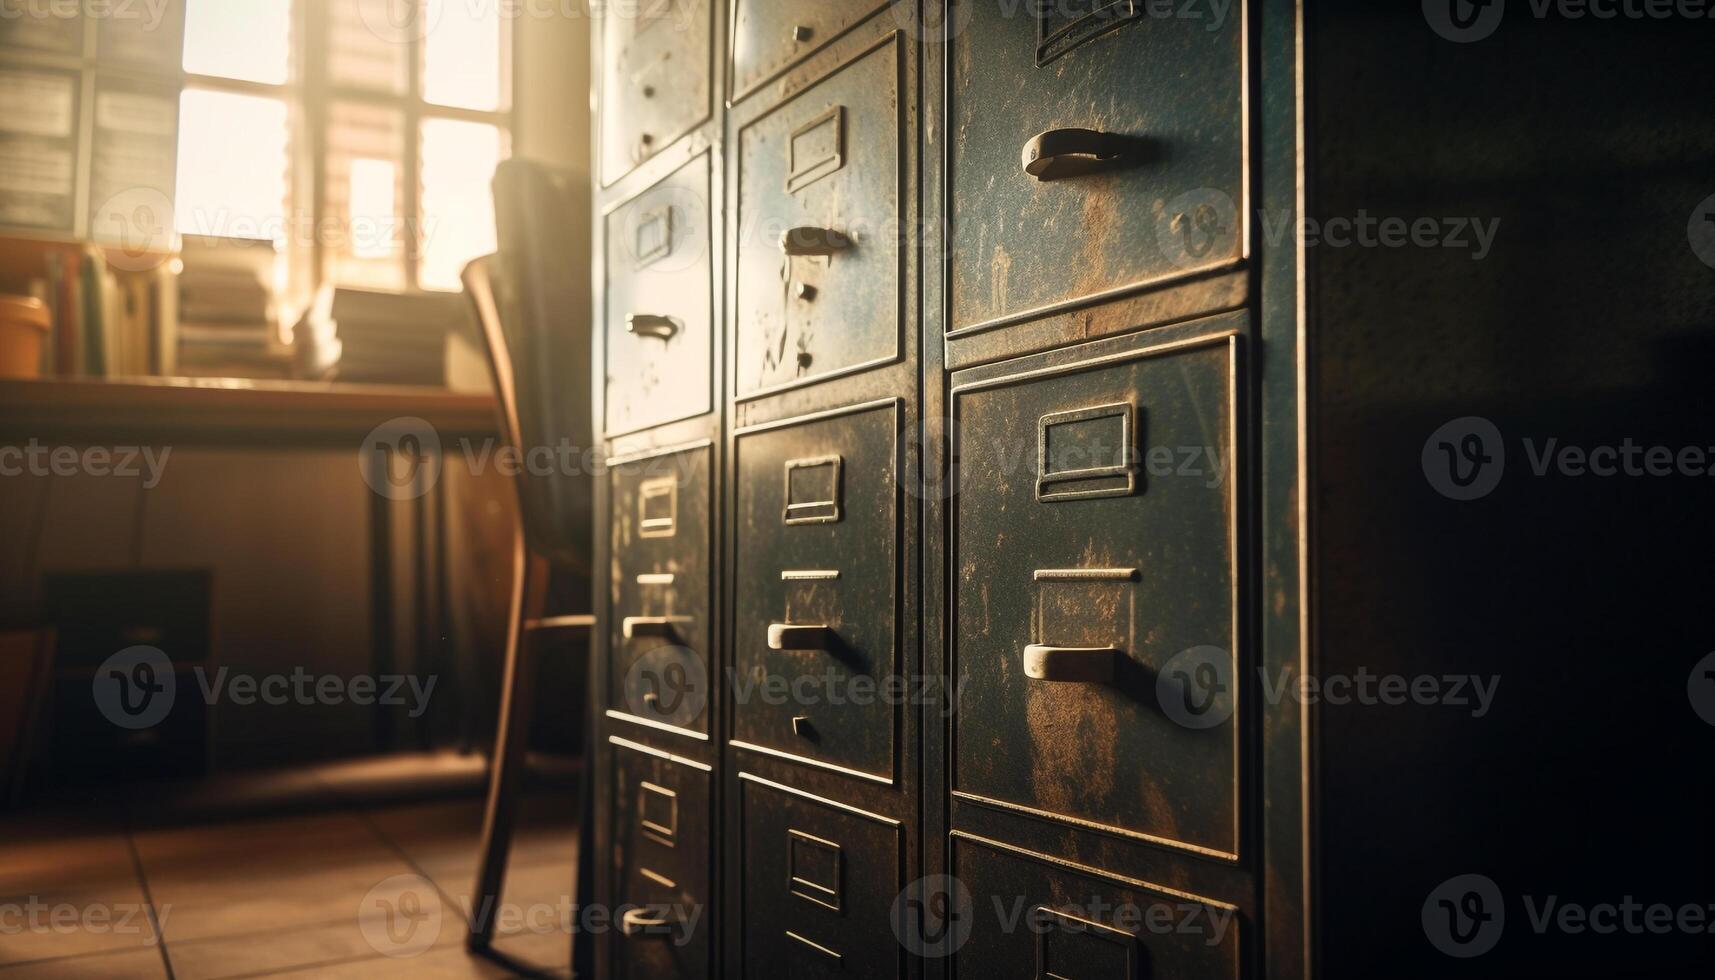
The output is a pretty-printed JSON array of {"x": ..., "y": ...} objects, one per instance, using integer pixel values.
[
  {"x": 1101, "y": 147},
  {"x": 1096, "y": 593},
  {"x": 770, "y": 36},
  {"x": 657, "y": 58},
  {"x": 816, "y": 542},
  {"x": 659, "y": 304},
  {"x": 820, "y": 879},
  {"x": 661, "y": 857},
  {"x": 818, "y": 248},
  {"x": 659, "y": 590},
  {"x": 1039, "y": 918}
]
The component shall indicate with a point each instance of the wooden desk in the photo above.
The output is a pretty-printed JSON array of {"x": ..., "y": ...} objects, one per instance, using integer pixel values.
[
  {"x": 226, "y": 411},
  {"x": 271, "y": 415}
]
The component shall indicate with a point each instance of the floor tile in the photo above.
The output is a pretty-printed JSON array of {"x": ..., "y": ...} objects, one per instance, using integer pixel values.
[
  {"x": 136, "y": 964},
  {"x": 257, "y": 846},
  {"x": 206, "y": 907},
  {"x": 365, "y": 934},
  {"x": 51, "y": 924},
  {"x": 35, "y": 857},
  {"x": 440, "y": 964}
]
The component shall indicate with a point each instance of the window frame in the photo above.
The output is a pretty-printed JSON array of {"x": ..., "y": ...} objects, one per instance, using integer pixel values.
[{"x": 309, "y": 95}]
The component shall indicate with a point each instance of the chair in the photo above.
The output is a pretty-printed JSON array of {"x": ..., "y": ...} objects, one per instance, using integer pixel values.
[{"x": 536, "y": 328}]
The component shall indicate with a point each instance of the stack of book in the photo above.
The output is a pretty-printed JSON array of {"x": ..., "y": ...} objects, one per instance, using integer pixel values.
[
  {"x": 367, "y": 336},
  {"x": 228, "y": 326}
]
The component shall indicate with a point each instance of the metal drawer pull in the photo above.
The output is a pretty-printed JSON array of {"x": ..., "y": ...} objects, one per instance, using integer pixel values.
[
  {"x": 651, "y": 325},
  {"x": 813, "y": 241},
  {"x": 1061, "y": 153},
  {"x": 642, "y": 922},
  {"x": 792, "y": 636},
  {"x": 666, "y": 627},
  {"x": 1078, "y": 665}
]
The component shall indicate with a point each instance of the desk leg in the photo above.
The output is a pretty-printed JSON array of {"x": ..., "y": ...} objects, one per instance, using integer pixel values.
[{"x": 381, "y": 637}]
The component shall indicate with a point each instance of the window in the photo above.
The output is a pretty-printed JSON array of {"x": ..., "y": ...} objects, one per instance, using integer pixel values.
[{"x": 360, "y": 135}]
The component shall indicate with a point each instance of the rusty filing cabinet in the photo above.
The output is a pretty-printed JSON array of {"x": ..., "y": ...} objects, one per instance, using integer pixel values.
[{"x": 936, "y": 361}]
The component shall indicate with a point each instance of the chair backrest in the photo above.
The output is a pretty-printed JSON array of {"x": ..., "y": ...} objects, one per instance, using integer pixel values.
[{"x": 537, "y": 326}]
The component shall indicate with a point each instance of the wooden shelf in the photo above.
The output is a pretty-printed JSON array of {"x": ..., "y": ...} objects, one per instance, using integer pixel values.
[{"x": 227, "y": 411}]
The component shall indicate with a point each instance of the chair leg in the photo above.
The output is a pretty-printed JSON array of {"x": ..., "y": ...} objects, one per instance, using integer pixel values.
[
  {"x": 506, "y": 768},
  {"x": 583, "y": 952}
]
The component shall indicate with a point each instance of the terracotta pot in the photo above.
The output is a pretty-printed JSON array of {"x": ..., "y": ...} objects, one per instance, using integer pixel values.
[{"x": 23, "y": 326}]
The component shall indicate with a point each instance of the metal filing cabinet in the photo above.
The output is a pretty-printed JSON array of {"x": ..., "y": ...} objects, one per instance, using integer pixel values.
[{"x": 978, "y": 347}]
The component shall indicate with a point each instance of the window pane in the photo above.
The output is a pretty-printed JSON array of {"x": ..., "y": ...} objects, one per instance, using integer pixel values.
[
  {"x": 232, "y": 165},
  {"x": 458, "y": 208},
  {"x": 368, "y": 46},
  {"x": 145, "y": 35},
  {"x": 365, "y": 194},
  {"x": 461, "y": 56},
  {"x": 248, "y": 39}
]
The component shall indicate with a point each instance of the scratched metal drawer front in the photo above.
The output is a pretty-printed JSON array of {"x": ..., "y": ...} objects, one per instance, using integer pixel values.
[
  {"x": 659, "y": 303},
  {"x": 656, "y": 66},
  {"x": 1101, "y": 148},
  {"x": 818, "y": 229},
  {"x": 770, "y": 36},
  {"x": 658, "y": 590},
  {"x": 1096, "y": 609},
  {"x": 661, "y": 853},
  {"x": 816, "y": 542},
  {"x": 820, "y": 879},
  {"x": 1033, "y": 916}
]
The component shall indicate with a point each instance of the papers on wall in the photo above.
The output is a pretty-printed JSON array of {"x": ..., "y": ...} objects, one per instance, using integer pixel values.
[{"x": 38, "y": 149}]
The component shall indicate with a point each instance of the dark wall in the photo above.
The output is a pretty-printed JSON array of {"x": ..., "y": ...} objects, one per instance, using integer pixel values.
[{"x": 1591, "y": 321}]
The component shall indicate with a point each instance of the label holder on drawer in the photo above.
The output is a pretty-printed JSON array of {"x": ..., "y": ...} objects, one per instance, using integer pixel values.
[
  {"x": 657, "y": 507},
  {"x": 1112, "y": 479},
  {"x": 1052, "y": 925},
  {"x": 810, "y": 500},
  {"x": 816, "y": 149},
  {"x": 808, "y": 858},
  {"x": 1053, "y": 41},
  {"x": 653, "y": 238},
  {"x": 658, "y": 812}
]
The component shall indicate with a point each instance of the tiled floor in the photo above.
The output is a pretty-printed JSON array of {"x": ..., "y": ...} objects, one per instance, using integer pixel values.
[{"x": 370, "y": 892}]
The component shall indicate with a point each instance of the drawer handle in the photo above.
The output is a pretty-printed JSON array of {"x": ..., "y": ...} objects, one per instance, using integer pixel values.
[
  {"x": 813, "y": 241},
  {"x": 793, "y": 636},
  {"x": 665, "y": 627},
  {"x": 651, "y": 325},
  {"x": 1059, "y": 153},
  {"x": 643, "y": 922},
  {"x": 1077, "y": 665}
]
